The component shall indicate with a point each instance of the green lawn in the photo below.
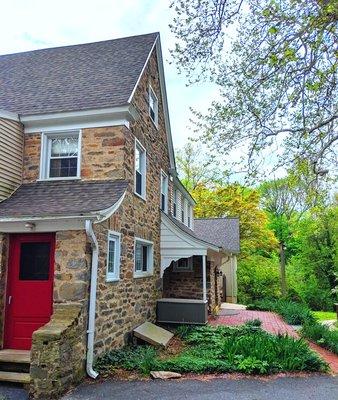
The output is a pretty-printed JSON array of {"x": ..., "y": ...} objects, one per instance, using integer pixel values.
[{"x": 324, "y": 315}]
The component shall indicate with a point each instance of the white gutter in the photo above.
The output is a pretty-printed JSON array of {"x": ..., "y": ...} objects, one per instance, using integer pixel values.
[{"x": 92, "y": 300}]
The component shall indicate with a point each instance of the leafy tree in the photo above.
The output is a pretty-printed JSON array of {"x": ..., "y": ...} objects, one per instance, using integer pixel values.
[{"x": 277, "y": 74}]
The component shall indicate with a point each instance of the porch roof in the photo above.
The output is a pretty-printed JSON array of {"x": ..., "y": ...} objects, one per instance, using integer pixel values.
[{"x": 61, "y": 199}]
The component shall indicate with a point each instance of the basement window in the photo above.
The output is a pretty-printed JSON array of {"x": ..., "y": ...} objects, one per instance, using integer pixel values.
[{"x": 144, "y": 258}]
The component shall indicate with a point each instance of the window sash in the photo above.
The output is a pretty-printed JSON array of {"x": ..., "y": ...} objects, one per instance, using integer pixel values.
[
  {"x": 143, "y": 258},
  {"x": 153, "y": 106},
  {"x": 140, "y": 169},
  {"x": 113, "y": 257},
  {"x": 164, "y": 192}
]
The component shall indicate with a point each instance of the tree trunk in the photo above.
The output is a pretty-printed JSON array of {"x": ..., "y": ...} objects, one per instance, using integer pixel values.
[{"x": 282, "y": 268}]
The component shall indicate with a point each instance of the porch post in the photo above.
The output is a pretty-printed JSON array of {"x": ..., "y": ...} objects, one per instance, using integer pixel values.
[{"x": 204, "y": 265}]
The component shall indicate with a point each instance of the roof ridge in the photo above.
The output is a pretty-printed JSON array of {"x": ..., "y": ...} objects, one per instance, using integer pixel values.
[{"x": 79, "y": 44}]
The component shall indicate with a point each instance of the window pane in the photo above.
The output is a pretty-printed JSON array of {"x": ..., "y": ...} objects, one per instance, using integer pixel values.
[
  {"x": 145, "y": 258},
  {"x": 138, "y": 183},
  {"x": 138, "y": 257},
  {"x": 63, "y": 167},
  {"x": 64, "y": 147},
  {"x": 111, "y": 256},
  {"x": 34, "y": 262},
  {"x": 175, "y": 209}
]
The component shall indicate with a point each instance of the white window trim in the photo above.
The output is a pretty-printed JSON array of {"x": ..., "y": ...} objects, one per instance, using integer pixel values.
[
  {"x": 116, "y": 237},
  {"x": 142, "y": 196},
  {"x": 152, "y": 92},
  {"x": 150, "y": 271},
  {"x": 164, "y": 175},
  {"x": 44, "y": 154},
  {"x": 175, "y": 202}
]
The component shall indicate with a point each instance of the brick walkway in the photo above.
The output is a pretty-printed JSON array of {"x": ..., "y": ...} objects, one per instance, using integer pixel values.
[{"x": 273, "y": 323}]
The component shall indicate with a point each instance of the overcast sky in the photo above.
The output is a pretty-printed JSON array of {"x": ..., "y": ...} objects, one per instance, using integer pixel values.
[{"x": 34, "y": 24}]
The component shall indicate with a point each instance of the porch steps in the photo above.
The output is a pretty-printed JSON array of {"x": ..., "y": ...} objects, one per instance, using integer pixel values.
[
  {"x": 17, "y": 377},
  {"x": 14, "y": 366}
]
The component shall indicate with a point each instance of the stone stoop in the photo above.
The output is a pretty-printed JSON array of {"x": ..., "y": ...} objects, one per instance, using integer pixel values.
[{"x": 14, "y": 366}]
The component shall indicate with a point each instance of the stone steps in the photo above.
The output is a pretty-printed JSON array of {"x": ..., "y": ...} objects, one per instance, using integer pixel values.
[
  {"x": 14, "y": 366},
  {"x": 17, "y": 377}
]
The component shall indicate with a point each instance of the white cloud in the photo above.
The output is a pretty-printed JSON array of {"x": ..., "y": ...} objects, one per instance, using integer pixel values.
[{"x": 37, "y": 24}]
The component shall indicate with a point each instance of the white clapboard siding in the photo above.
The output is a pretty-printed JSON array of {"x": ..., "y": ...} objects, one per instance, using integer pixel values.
[{"x": 11, "y": 153}]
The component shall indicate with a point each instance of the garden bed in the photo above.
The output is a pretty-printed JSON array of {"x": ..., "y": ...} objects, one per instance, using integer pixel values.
[{"x": 202, "y": 350}]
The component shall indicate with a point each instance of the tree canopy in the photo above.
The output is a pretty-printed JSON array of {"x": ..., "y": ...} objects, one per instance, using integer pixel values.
[{"x": 277, "y": 74}]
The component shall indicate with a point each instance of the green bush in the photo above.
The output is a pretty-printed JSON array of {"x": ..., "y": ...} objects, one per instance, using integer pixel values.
[
  {"x": 293, "y": 313},
  {"x": 258, "y": 277},
  {"x": 321, "y": 335},
  {"x": 246, "y": 349}
]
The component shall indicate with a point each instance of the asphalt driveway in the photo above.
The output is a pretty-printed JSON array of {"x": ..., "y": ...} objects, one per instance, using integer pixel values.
[{"x": 314, "y": 387}]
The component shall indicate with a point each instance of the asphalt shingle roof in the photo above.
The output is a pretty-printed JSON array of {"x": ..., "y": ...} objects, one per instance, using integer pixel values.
[
  {"x": 75, "y": 198},
  {"x": 223, "y": 232},
  {"x": 73, "y": 78}
]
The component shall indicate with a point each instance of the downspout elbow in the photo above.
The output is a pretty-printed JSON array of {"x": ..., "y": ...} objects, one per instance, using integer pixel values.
[{"x": 92, "y": 300}]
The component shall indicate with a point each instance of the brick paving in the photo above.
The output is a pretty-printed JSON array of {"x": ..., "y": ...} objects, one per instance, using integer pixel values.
[{"x": 273, "y": 323}]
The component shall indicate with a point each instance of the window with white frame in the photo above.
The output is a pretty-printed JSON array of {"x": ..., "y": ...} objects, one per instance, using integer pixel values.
[
  {"x": 190, "y": 216},
  {"x": 113, "y": 256},
  {"x": 140, "y": 169},
  {"x": 153, "y": 106},
  {"x": 175, "y": 203},
  {"x": 144, "y": 255},
  {"x": 60, "y": 155},
  {"x": 182, "y": 208},
  {"x": 183, "y": 265},
  {"x": 164, "y": 192}
]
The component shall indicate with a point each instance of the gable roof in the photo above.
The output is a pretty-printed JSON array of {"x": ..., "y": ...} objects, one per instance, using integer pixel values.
[
  {"x": 61, "y": 198},
  {"x": 73, "y": 78},
  {"x": 223, "y": 232}
]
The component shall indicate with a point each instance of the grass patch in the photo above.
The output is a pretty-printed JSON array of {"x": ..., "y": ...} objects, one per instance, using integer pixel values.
[
  {"x": 246, "y": 349},
  {"x": 293, "y": 313},
  {"x": 324, "y": 315}
]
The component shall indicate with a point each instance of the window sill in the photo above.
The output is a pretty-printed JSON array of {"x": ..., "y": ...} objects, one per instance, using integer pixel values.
[
  {"x": 66, "y": 178},
  {"x": 145, "y": 275},
  {"x": 109, "y": 280},
  {"x": 140, "y": 197}
]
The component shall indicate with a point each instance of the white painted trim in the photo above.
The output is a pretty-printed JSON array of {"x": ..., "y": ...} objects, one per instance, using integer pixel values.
[
  {"x": 9, "y": 115},
  {"x": 116, "y": 116},
  {"x": 164, "y": 175},
  {"x": 143, "y": 195},
  {"x": 204, "y": 273},
  {"x": 152, "y": 92},
  {"x": 116, "y": 237},
  {"x": 150, "y": 266},
  {"x": 45, "y": 154},
  {"x": 142, "y": 71}
]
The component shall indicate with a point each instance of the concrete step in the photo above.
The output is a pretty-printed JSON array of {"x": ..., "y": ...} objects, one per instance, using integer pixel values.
[
  {"x": 15, "y": 356},
  {"x": 17, "y": 377}
]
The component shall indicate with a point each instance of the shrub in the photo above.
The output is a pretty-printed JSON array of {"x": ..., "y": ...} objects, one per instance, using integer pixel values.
[
  {"x": 293, "y": 313},
  {"x": 247, "y": 349},
  {"x": 321, "y": 335}
]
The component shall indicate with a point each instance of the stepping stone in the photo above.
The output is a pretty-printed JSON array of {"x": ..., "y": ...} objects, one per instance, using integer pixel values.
[
  {"x": 153, "y": 334},
  {"x": 165, "y": 375}
]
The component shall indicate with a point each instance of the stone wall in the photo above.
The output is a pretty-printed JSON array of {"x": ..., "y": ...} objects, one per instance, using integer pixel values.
[{"x": 3, "y": 274}]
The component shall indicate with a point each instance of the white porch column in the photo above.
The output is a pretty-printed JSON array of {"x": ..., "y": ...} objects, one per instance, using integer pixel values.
[{"x": 204, "y": 266}]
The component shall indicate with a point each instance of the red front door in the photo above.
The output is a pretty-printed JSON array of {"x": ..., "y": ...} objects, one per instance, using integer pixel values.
[{"x": 29, "y": 287}]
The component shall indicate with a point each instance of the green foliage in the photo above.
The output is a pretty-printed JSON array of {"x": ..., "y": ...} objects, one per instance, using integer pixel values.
[
  {"x": 293, "y": 313},
  {"x": 324, "y": 315},
  {"x": 247, "y": 349},
  {"x": 321, "y": 335},
  {"x": 257, "y": 278}
]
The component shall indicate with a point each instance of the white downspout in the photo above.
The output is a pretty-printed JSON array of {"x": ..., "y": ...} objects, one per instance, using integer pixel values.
[{"x": 92, "y": 300}]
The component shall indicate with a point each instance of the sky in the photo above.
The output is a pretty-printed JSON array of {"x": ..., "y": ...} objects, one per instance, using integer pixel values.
[{"x": 35, "y": 24}]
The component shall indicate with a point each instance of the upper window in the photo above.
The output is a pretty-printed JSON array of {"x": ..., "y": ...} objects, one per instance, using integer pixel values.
[
  {"x": 143, "y": 257},
  {"x": 113, "y": 256},
  {"x": 183, "y": 265},
  {"x": 61, "y": 155},
  {"x": 164, "y": 192},
  {"x": 182, "y": 208},
  {"x": 140, "y": 169},
  {"x": 153, "y": 106},
  {"x": 190, "y": 216},
  {"x": 175, "y": 203}
]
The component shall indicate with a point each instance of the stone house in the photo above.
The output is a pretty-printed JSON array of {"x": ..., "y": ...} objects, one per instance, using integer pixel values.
[{"x": 97, "y": 233}]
